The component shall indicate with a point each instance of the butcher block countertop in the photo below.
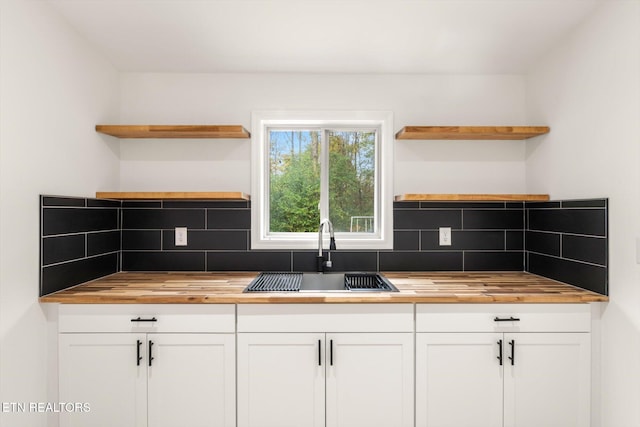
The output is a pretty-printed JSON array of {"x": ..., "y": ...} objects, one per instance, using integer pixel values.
[{"x": 418, "y": 287}]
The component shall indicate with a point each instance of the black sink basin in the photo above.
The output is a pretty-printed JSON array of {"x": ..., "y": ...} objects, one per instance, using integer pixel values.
[{"x": 320, "y": 282}]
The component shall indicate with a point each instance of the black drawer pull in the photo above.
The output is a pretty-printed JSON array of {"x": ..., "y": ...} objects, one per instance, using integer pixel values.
[
  {"x": 506, "y": 319},
  {"x": 319, "y": 353},
  {"x": 500, "y": 352},
  {"x": 140, "y": 319}
]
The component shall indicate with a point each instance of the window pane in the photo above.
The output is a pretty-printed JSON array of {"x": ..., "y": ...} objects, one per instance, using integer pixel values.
[
  {"x": 352, "y": 180},
  {"x": 294, "y": 180}
]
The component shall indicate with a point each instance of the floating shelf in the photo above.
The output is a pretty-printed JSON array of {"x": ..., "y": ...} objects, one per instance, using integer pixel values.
[
  {"x": 471, "y": 132},
  {"x": 472, "y": 197},
  {"x": 174, "y": 131},
  {"x": 178, "y": 195}
]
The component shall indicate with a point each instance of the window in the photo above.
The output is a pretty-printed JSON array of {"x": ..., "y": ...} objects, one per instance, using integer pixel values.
[{"x": 311, "y": 166}]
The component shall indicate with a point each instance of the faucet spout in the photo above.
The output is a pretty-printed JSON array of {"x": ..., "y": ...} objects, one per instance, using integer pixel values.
[
  {"x": 332, "y": 240},
  {"x": 332, "y": 245}
]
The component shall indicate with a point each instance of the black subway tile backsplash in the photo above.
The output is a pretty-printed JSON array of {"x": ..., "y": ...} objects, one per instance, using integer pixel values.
[
  {"x": 63, "y": 201},
  {"x": 465, "y": 240},
  {"x": 544, "y": 243},
  {"x": 426, "y": 219},
  {"x": 509, "y": 219},
  {"x": 61, "y": 276},
  {"x": 141, "y": 240},
  {"x": 541, "y": 205},
  {"x": 63, "y": 248},
  {"x": 341, "y": 261},
  {"x": 514, "y": 240},
  {"x": 204, "y": 204},
  {"x": 590, "y": 203},
  {"x": 494, "y": 261},
  {"x": 207, "y": 240},
  {"x": 486, "y": 236},
  {"x": 163, "y": 261},
  {"x": 420, "y": 261},
  {"x": 355, "y": 261},
  {"x": 565, "y": 239},
  {"x": 576, "y": 221},
  {"x": 141, "y": 204},
  {"x": 462, "y": 205},
  {"x": 103, "y": 203},
  {"x": 162, "y": 218},
  {"x": 103, "y": 242},
  {"x": 586, "y": 276},
  {"x": 249, "y": 261},
  {"x": 406, "y": 240},
  {"x": 584, "y": 248},
  {"x": 78, "y": 220},
  {"x": 230, "y": 219},
  {"x": 80, "y": 241}
]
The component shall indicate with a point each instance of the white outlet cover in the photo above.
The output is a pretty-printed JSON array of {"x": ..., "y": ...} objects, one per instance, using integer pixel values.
[
  {"x": 637, "y": 250},
  {"x": 181, "y": 236},
  {"x": 445, "y": 236}
]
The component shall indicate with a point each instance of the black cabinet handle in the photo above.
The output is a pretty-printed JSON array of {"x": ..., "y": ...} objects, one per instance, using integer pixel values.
[
  {"x": 319, "y": 352},
  {"x": 512, "y": 343},
  {"x": 500, "y": 352},
  {"x": 138, "y": 357},
  {"x": 506, "y": 319},
  {"x": 150, "y": 352},
  {"x": 331, "y": 352},
  {"x": 140, "y": 319}
]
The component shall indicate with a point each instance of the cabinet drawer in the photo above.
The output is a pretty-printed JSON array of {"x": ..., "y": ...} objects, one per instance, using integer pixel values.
[
  {"x": 325, "y": 318},
  {"x": 140, "y": 318},
  {"x": 496, "y": 318}
]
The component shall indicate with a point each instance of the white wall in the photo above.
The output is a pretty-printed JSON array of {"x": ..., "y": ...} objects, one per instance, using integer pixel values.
[
  {"x": 588, "y": 90},
  {"x": 54, "y": 89},
  {"x": 421, "y": 166}
]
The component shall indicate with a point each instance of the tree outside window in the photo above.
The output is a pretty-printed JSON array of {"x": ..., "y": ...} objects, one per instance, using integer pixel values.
[{"x": 306, "y": 184}]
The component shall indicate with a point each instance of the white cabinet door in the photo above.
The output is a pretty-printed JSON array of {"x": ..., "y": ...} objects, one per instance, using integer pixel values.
[
  {"x": 103, "y": 370},
  {"x": 369, "y": 380},
  {"x": 459, "y": 380},
  {"x": 549, "y": 381},
  {"x": 191, "y": 380},
  {"x": 281, "y": 380}
]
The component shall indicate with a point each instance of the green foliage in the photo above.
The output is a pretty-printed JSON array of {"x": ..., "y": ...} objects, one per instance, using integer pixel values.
[
  {"x": 295, "y": 194},
  {"x": 295, "y": 181}
]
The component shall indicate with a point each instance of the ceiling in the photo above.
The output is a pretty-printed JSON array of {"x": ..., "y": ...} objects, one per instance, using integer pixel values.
[{"x": 324, "y": 36}]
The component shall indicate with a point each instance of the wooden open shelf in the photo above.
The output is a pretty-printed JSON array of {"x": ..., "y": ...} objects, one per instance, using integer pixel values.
[
  {"x": 174, "y": 131},
  {"x": 471, "y": 132},
  {"x": 178, "y": 195},
  {"x": 472, "y": 197}
]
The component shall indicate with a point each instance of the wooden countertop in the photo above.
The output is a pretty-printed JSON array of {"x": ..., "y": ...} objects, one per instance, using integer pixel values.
[{"x": 417, "y": 287}]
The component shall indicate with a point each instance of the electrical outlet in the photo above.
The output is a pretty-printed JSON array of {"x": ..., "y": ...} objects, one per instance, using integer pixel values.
[
  {"x": 181, "y": 236},
  {"x": 445, "y": 236}
]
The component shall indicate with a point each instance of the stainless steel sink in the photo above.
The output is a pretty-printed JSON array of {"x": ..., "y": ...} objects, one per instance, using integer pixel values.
[{"x": 320, "y": 282}]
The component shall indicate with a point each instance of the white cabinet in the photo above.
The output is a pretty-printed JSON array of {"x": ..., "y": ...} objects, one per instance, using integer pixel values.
[
  {"x": 521, "y": 366},
  {"x": 102, "y": 371},
  {"x": 322, "y": 375},
  {"x": 548, "y": 384},
  {"x": 146, "y": 376},
  {"x": 281, "y": 380},
  {"x": 458, "y": 380},
  {"x": 370, "y": 380}
]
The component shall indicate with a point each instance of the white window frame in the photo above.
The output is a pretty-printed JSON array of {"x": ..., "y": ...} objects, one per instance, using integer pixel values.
[{"x": 262, "y": 120}]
